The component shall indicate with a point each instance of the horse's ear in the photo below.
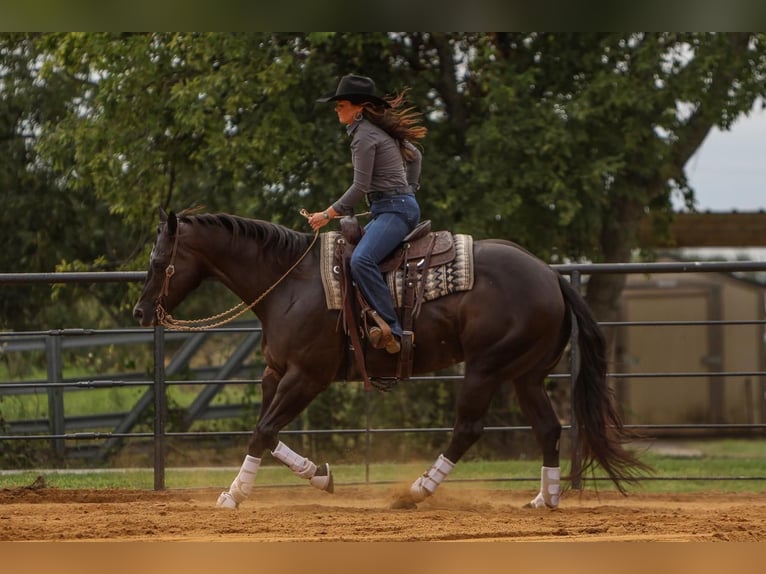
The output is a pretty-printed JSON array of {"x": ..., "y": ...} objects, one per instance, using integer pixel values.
[
  {"x": 172, "y": 223},
  {"x": 163, "y": 216}
]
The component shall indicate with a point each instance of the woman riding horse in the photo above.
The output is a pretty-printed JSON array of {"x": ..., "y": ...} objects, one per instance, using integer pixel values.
[{"x": 386, "y": 174}]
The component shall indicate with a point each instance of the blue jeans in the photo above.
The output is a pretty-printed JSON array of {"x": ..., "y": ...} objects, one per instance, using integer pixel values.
[{"x": 392, "y": 219}]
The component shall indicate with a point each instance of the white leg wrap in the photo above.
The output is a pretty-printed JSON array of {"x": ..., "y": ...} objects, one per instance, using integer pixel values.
[
  {"x": 550, "y": 488},
  {"x": 425, "y": 485},
  {"x": 242, "y": 486},
  {"x": 301, "y": 466}
]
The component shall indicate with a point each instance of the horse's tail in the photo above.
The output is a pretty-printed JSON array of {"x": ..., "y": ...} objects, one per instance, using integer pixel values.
[{"x": 600, "y": 430}]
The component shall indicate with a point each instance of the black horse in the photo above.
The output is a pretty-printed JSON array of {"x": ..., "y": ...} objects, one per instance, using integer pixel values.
[{"x": 512, "y": 325}]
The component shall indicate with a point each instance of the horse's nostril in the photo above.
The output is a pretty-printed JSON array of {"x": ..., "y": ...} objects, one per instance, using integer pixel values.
[{"x": 138, "y": 314}]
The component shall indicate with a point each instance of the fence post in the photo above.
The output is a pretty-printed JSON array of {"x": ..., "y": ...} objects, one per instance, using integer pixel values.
[
  {"x": 56, "y": 421},
  {"x": 160, "y": 407},
  {"x": 574, "y": 370},
  {"x": 367, "y": 436}
]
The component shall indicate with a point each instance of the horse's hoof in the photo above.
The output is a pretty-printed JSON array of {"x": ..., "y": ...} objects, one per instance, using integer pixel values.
[
  {"x": 226, "y": 500},
  {"x": 403, "y": 503},
  {"x": 325, "y": 481},
  {"x": 539, "y": 502}
]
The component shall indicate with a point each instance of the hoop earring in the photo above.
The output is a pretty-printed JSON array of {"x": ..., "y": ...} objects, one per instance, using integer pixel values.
[{"x": 358, "y": 116}]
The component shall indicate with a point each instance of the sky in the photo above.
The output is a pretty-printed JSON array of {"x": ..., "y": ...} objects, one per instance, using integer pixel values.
[{"x": 728, "y": 172}]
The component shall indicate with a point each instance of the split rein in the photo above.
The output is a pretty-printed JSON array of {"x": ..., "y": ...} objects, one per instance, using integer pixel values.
[{"x": 167, "y": 320}]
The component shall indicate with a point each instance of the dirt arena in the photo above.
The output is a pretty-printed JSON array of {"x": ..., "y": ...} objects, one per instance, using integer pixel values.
[{"x": 362, "y": 514}]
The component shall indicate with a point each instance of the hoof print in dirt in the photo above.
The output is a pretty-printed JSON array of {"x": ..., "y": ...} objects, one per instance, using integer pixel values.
[{"x": 403, "y": 503}]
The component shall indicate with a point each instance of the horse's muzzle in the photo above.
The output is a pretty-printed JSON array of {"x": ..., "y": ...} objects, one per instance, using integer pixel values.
[{"x": 144, "y": 316}]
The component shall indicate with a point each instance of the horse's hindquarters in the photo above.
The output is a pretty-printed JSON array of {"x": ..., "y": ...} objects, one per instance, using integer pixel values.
[{"x": 513, "y": 316}]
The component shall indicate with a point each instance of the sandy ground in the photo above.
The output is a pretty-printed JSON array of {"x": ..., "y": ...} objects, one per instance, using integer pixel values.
[{"x": 362, "y": 514}]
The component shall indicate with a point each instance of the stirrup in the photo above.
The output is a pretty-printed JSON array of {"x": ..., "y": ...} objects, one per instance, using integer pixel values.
[{"x": 384, "y": 384}]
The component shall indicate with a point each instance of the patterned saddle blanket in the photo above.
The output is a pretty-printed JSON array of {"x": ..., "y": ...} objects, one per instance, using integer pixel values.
[{"x": 441, "y": 280}]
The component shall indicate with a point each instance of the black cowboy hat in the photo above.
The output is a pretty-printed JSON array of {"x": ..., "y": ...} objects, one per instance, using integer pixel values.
[{"x": 355, "y": 89}]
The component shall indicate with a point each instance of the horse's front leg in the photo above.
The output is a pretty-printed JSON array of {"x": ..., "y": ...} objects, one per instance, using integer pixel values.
[{"x": 284, "y": 398}]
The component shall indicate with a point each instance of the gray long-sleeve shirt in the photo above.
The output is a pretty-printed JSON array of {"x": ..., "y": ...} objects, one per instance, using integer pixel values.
[{"x": 378, "y": 165}]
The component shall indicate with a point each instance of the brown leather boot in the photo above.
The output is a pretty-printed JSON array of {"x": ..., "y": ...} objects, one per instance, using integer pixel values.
[
  {"x": 375, "y": 336},
  {"x": 379, "y": 341},
  {"x": 393, "y": 346}
]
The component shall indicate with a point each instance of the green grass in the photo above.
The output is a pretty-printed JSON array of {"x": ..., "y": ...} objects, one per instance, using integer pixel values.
[
  {"x": 728, "y": 448},
  {"x": 107, "y": 400},
  {"x": 675, "y": 473}
]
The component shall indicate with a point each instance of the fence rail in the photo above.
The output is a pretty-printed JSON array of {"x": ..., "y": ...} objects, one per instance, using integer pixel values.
[{"x": 54, "y": 341}]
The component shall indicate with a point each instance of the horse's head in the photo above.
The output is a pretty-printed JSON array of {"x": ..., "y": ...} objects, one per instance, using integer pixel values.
[{"x": 172, "y": 273}]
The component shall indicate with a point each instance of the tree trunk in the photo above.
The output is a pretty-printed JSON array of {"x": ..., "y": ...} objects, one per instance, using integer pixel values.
[{"x": 604, "y": 292}]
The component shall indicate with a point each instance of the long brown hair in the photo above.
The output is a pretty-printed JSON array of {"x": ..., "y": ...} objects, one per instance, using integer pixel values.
[{"x": 401, "y": 123}]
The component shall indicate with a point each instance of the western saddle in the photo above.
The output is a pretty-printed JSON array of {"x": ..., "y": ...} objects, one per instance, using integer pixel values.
[{"x": 419, "y": 250}]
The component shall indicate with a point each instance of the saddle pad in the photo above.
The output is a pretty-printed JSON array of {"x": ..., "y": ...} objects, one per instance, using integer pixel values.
[{"x": 441, "y": 280}]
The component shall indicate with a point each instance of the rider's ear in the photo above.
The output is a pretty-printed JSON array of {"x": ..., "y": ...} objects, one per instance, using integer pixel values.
[{"x": 172, "y": 223}]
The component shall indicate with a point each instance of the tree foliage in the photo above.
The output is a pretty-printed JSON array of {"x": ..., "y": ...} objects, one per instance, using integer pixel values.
[{"x": 562, "y": 142}]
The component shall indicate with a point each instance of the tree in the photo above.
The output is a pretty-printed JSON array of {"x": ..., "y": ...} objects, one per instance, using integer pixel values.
[
  {"x": 562, "y": 142},
  {"x": 609, "y": 122},
  {"x": 41, "y": 221}
]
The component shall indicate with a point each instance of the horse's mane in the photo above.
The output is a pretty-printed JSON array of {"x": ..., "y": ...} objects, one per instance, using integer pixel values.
[{"x": 278, "y": 239}]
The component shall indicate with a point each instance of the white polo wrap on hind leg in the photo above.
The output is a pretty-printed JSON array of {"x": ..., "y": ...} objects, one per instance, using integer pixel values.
[
  {"x": 425, "y": 485},
  {"x": 242, "y": 486},
  {"x": 550, "y": 488},
  {"x": 300, "y": 465}
]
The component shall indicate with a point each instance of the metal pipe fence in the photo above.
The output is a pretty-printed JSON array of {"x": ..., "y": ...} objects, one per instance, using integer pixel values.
[{"x": 53, "y": 341}]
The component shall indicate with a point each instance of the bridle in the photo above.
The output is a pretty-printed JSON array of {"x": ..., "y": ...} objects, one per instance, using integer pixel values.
[
  {"x": 169, "y": 272},
  {"x": 166, "y": 319}
]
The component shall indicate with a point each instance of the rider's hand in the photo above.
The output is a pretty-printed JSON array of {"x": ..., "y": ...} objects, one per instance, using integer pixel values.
[{"x": 321, "y": 218}]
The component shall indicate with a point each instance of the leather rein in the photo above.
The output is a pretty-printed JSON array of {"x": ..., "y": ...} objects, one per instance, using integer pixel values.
[{"x": 167, "y": 320}]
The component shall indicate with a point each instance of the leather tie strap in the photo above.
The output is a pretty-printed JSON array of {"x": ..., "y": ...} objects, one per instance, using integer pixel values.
[{"x": 349, "y": 313}]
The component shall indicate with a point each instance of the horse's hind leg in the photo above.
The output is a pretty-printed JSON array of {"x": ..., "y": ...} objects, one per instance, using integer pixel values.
[
  {"x": 473, "y": 401},
  {"x": 536, "y": 406}
]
